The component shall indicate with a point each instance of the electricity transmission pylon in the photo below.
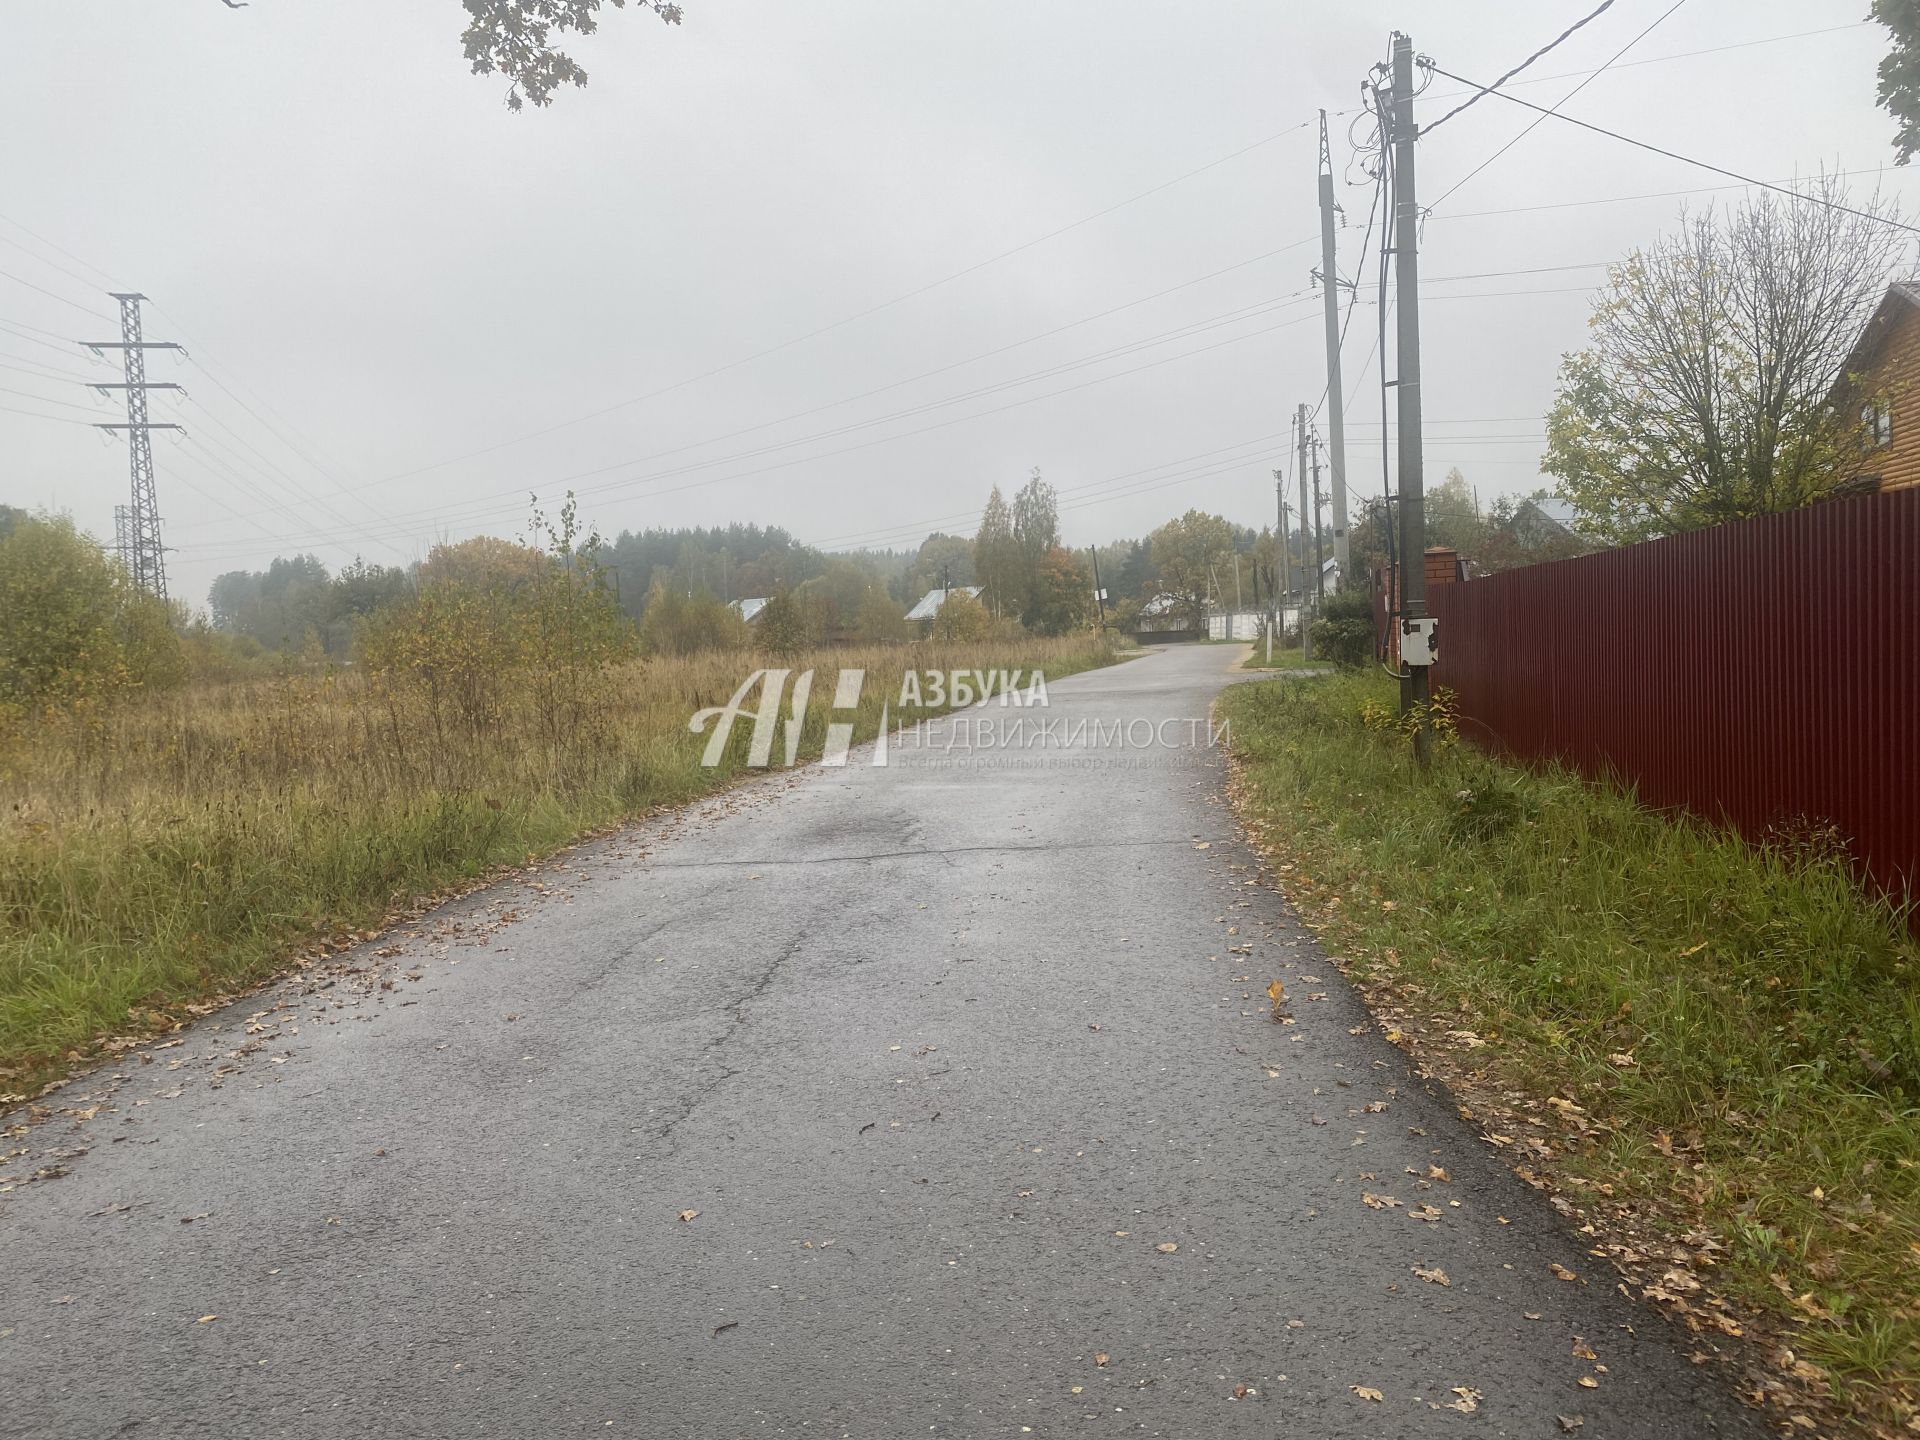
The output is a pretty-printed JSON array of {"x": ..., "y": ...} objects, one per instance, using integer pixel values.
[{"x": 138, "y": 529}]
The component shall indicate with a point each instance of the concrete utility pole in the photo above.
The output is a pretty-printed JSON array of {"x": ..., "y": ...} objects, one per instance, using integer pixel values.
[
  {"x": 1416, "y": 681},
  {"x": 142, "y": 549},
  {"x": 1099, "y": 597},
  {"x": 1336, "y": 402},
  {"x": 1306, "y": 518},
  {"x": 1285, "y": 575},
  {"x": 1319, "y": 535}
]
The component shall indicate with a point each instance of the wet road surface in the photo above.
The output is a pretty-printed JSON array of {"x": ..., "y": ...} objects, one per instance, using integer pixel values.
[{"x": 965, "y": 1066}]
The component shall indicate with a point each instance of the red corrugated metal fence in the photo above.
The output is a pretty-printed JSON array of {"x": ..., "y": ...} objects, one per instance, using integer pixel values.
[{"x": 1764, "y": 673}]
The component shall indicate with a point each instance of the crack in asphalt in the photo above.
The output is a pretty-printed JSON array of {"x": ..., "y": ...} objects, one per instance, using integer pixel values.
[{"x": 737, "y": 1010}]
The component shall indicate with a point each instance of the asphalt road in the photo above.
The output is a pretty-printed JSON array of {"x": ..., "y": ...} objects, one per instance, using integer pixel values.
[{"x": 947, "y": 1055}]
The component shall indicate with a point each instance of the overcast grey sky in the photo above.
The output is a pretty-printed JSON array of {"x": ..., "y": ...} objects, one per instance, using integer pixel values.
[{"x": 391, "y": 271}]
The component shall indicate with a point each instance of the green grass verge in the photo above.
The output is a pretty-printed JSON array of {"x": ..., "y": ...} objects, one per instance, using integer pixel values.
[
  {"x": 1286, "y": 657},
  {"x": 1739, "y": 1026}
]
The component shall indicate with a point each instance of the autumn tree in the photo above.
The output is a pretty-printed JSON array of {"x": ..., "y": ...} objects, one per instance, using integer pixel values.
[
  {"x": 1036, "y": 521},
  {"x": 943, "y": 562},
  {"x": 880, "y": 620},
  {"x": 520, "y": 40},
  {"x": 78, "y": 633},
  {"x": 1703, "y": 396},
  {"x": 1453, "y": 515},
  {"x": 1900, "y": 72},
  {"x": 961, "y": 619},
  {"x": 786, "y": 625},
  {"x": 996, "y": 558},
  {"x": 1184, "y": 554},
  {"x": 1061, "y": 598},
  {"x": 485, "y": 562},
  {"x": 676, "y": 623}
]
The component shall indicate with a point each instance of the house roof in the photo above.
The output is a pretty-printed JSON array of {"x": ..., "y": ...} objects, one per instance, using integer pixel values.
[
  {"x": 1552, "y": 509},
  {"x": 747, "y": 609},
  {"x": 931, "y": 602},
  {"x": 1900, "y": 295}
]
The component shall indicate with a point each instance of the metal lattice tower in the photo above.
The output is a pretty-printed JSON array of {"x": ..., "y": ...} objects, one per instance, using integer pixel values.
[
  {"x": 137, "y": 525},
  {"x": 122, "y": 536}
]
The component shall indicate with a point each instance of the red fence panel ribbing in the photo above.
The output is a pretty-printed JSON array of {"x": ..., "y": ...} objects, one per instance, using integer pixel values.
[{"x": 1765, "y": 673}]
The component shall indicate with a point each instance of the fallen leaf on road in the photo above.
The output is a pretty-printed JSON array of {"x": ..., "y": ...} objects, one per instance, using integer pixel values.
[
  {"x": 1377, "y": 1202},
  {"x": 1166, "y": 1247},
  {"x": 1277, "y": 993},
  {"x": 205, "y": 1319},
  {"x": 1587, "y": 1382},
  {"x": 1570, "y": 1423},
  {"x": 1560, "y": 1272},
  {"x": 1433, "y": 1276},
  {"x": 1100, "y": 1358},
  {"x": 686, "y": 1215},
  {"x": 730, "y": 1325},
  {"x": 1426, "y": 1213},
  {"x": 1367, "y": 1392},
  {"x": 1468, "y": 1402},
  {"x": 1435, "y": 1172}
]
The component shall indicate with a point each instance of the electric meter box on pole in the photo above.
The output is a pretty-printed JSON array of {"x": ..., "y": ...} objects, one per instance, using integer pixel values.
[{"x": 1420, "y": 641}]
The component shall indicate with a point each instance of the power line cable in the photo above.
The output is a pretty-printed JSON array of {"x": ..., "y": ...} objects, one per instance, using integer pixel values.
[
  {"x": 64, "y": 420},
  {"x": 43, "y": 372},
  {"x": 111, "y": 282},
  {"x": 1667, "y": 59},
  {"x": 856, "y": 316},
  {"x": 1698, "y": 164},
  {"x": 1564, "y": 35},
  {"x": 1541, "y": 120},
  {"x": 943, "y": 369},
  {"x": 65, "y": 347},
  {"x": 1070, "y": 490},
  {"x": 50, "y": 264},
  {"x": 48, "y": 400},
  {"x": 615, "y": 485},
  {"x": 1050, "y": 372},
  {"x": 1643, "y": 195},
  {"x": 51, "y": 295}
]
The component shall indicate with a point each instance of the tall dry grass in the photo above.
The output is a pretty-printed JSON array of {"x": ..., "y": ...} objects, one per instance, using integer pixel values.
[{"x": 182, "y": 846}]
